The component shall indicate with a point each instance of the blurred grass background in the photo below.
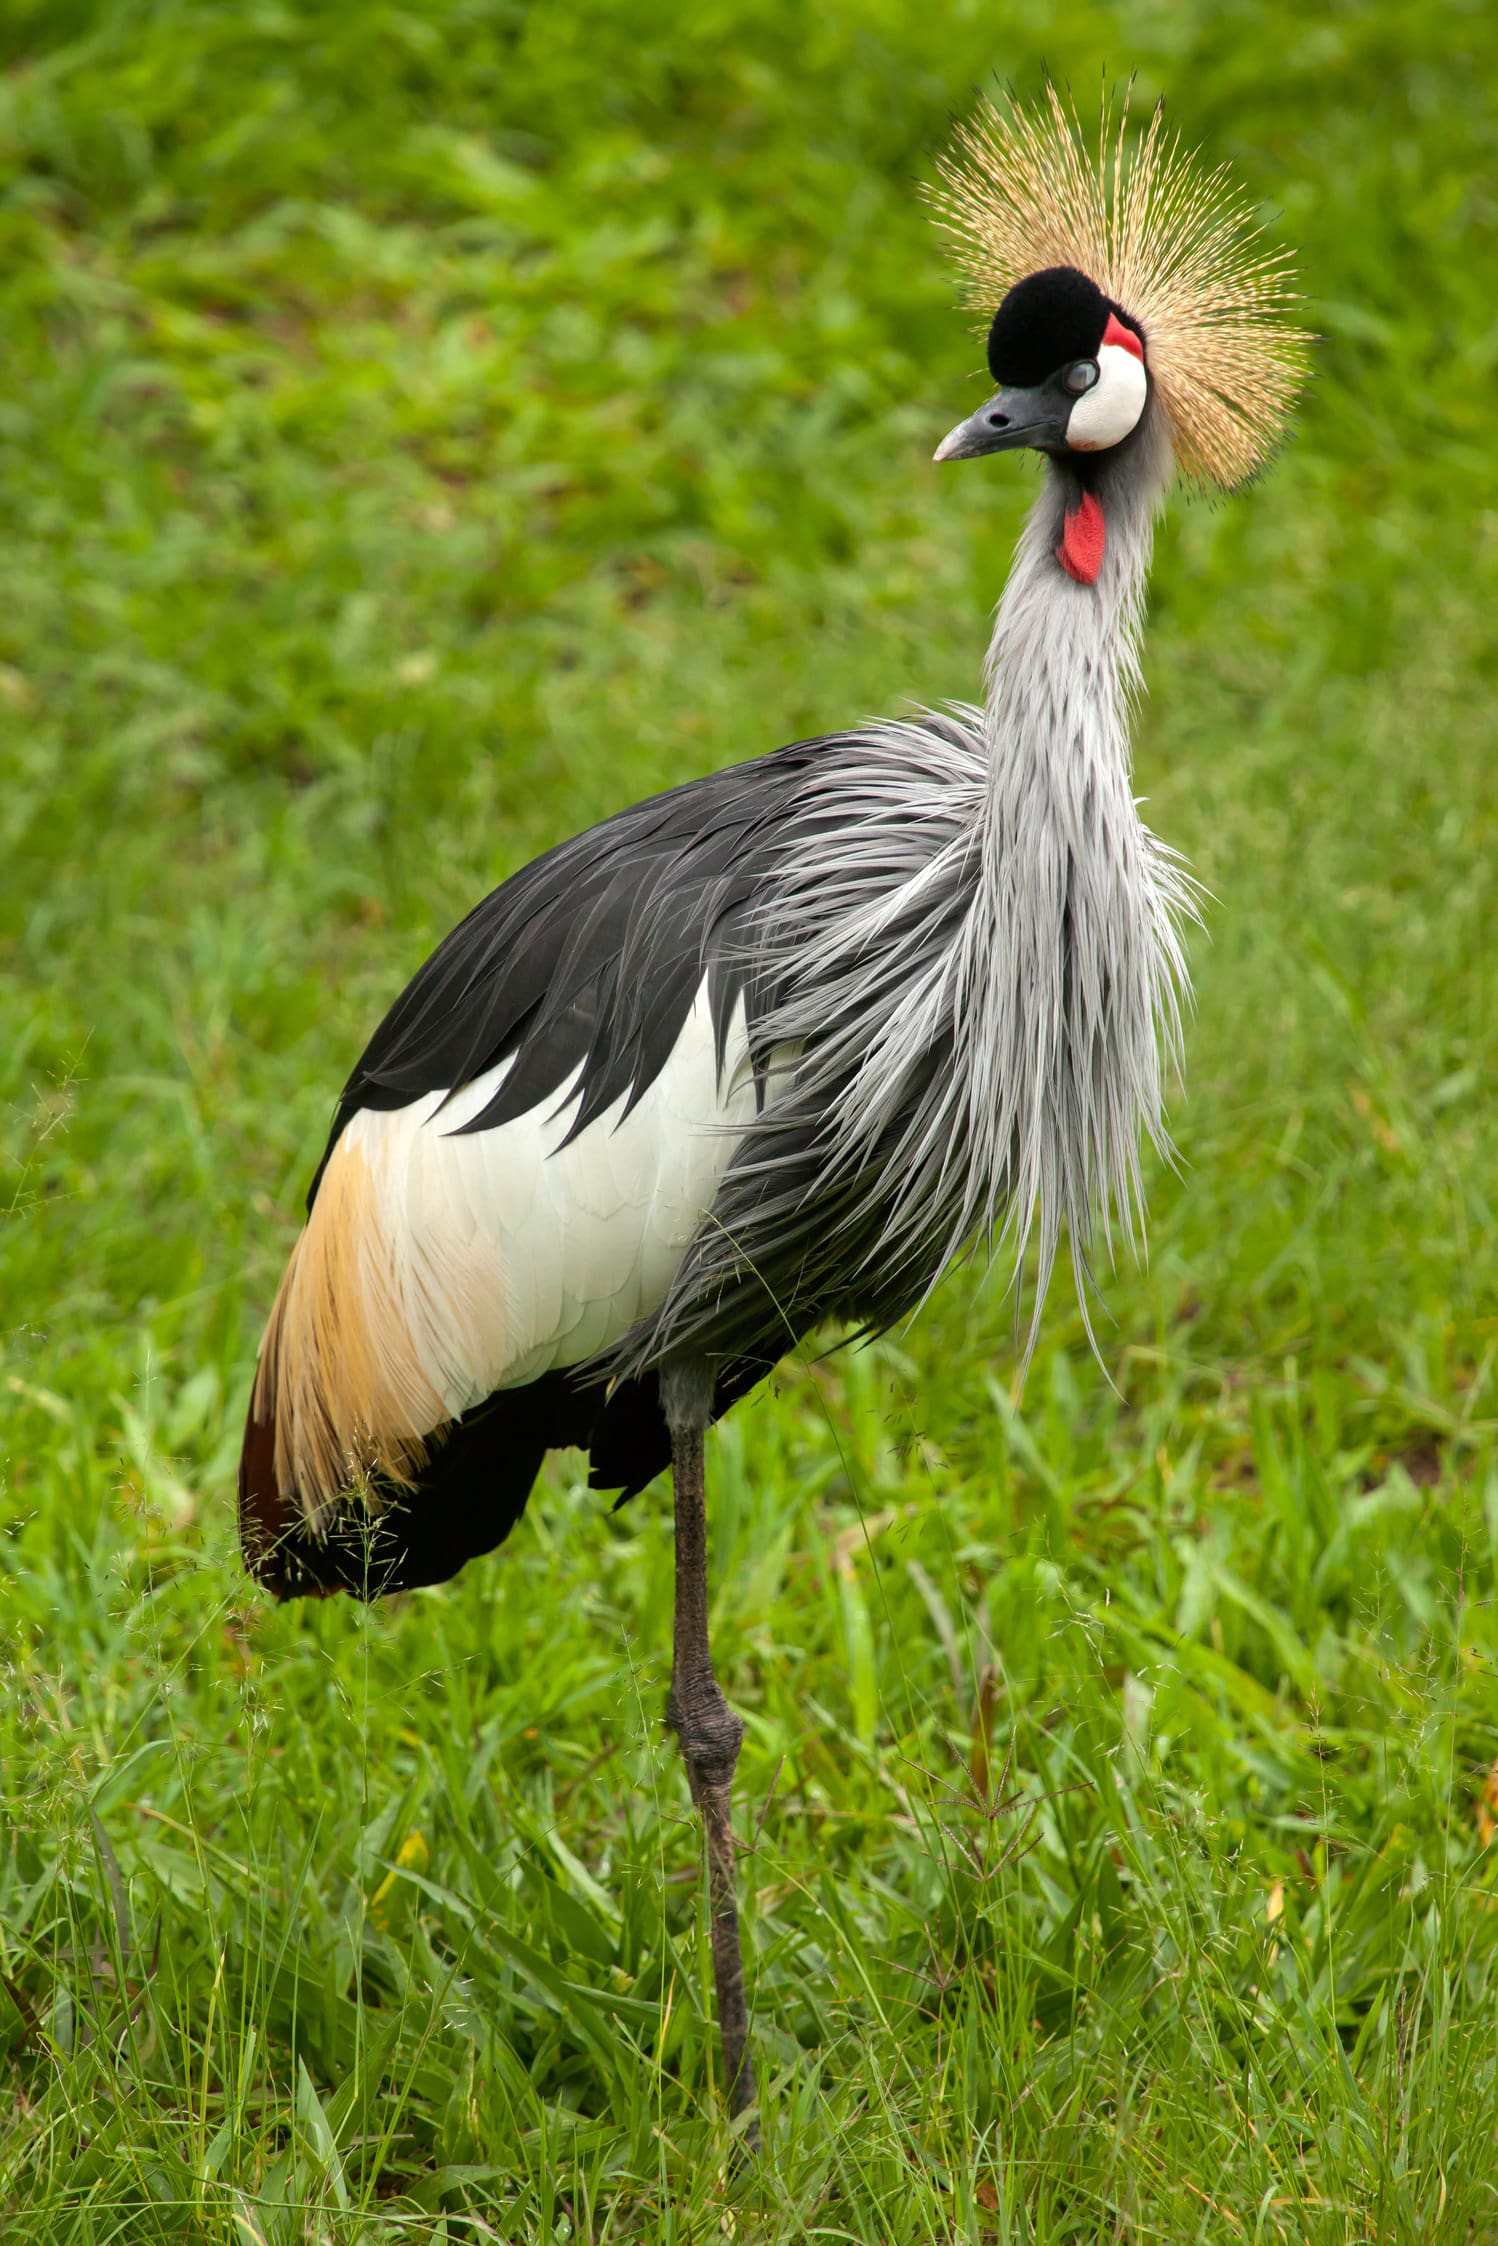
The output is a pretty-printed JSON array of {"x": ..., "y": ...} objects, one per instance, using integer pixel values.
[{"x": 421, "y": 431}]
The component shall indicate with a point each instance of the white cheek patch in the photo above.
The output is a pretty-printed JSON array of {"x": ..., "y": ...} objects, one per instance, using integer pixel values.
[{"x": 1111, "y": 408}]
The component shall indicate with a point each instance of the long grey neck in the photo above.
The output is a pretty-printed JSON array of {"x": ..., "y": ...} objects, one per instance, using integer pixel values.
[
  {"x": 1063, "y": 664},
  {"x": 1070, "y": 959}
]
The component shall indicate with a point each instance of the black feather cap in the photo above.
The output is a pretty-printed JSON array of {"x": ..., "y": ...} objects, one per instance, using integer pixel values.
[{"x": 1047, "y": 320}]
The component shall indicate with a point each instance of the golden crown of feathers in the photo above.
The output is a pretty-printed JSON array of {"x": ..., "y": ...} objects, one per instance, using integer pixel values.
[{"x": 1177, "y": 247}]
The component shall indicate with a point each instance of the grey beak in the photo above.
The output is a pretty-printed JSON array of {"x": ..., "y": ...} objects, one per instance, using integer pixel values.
[{"x": 1010, "y": 420}]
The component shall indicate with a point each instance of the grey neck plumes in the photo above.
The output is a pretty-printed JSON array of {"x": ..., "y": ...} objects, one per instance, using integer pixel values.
[
  {"x": 1063, "y": 664},
  {"x": 965, "y": 967},
  {"x": 1073, "y": 962}
]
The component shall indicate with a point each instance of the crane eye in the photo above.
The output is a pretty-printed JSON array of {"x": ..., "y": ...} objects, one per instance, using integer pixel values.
[{"x": 1081, "y": 377}]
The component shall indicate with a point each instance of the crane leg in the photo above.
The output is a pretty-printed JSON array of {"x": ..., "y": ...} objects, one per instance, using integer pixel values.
[{"x": 707, "y": 1730}]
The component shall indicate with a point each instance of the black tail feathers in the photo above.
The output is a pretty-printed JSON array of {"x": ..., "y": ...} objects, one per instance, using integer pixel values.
[{"x": 471, "y": 1492}]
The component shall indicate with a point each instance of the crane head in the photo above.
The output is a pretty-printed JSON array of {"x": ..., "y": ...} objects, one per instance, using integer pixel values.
[
  {"x": 1071, "y": 367},
  {"x": 1124, "y": 272}
]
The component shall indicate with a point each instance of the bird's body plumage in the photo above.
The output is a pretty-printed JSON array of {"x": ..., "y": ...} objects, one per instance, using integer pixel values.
[{"x": 772, "y": 1048}]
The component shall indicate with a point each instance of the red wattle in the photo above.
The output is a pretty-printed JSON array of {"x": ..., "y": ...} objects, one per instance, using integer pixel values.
[
  {"x": 1125, "y": 338},
  {"x": 1080, "y": 552}
]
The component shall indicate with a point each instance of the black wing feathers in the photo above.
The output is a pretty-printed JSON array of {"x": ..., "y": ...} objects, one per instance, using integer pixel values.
[
  {"x": 587, "y": 959},
  {"x": 590, "y": 956},
  {"x": 583, "y": 967}
]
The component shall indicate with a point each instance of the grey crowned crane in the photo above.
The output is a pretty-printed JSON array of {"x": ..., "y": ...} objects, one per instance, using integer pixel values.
[{"x": 778, "y": 1046}]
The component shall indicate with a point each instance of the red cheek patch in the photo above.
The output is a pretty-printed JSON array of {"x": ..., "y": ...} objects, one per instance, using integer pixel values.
[
  {"x": 1125, "y": 338},
  {"x": 1080, "y": 552}
]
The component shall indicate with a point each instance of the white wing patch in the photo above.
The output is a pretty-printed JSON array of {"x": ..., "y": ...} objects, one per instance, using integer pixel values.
[{"x": 435, "y": 1268}]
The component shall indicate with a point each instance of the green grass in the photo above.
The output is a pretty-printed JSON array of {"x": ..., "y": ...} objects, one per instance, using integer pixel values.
[{"x": 422, "y": 430}]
